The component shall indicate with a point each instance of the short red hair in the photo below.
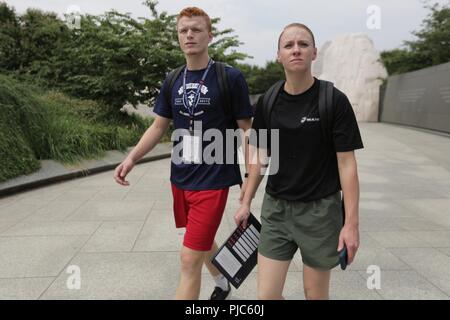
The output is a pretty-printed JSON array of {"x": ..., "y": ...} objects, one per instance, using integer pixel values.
[{"x": 195, "y": 12}]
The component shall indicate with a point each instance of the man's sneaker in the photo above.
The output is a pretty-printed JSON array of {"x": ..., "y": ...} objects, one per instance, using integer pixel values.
[{"x": 219, "y": 294}]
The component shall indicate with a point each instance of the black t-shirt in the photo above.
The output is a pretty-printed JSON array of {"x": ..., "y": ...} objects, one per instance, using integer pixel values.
[{"x": 307, "y": 168}]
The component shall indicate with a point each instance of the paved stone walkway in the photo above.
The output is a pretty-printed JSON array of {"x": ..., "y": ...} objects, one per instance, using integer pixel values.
[{"x": 124, "y": 242}]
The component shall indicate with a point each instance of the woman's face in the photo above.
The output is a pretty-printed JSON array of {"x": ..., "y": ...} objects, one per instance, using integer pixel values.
[{"x": 297, "y": 51}]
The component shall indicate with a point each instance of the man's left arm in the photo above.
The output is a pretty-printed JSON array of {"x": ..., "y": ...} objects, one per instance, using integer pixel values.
[
  {"x": 348, "y": 175},
  {"x": 245, "y": 125}
]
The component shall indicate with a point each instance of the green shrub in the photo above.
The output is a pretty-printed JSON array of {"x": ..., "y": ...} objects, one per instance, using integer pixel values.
[
  {"x": 38, "y": 125},
  {"x": 17, "y": 157}
]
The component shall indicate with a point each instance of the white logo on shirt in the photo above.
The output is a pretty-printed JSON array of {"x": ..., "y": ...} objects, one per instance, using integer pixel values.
[
  {"x": 306, "y": 119},
  {"x": 193, "y": 86},
  {"x": 190, "y": 93}
]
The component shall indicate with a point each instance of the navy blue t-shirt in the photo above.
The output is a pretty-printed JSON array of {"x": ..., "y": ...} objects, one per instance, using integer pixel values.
[{"x": 211, "y": 112}]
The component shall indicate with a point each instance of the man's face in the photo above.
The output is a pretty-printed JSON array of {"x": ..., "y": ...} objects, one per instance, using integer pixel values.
[
  {"x": 193, "y": 35},
  {"x": 297, "y": 50}
]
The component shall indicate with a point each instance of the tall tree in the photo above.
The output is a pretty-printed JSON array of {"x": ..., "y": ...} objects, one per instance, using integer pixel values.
[{"x": 10, "y": 49}]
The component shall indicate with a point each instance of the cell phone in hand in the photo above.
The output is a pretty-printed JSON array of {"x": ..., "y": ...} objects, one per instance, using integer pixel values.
[{"x": 343, "y": 258}]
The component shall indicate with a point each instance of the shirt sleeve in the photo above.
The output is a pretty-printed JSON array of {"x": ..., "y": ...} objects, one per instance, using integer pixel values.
[
  {"x": 346, "y": 135},
  {"x": 162, "y": 108},
  {"x": 240, "y": 100}
]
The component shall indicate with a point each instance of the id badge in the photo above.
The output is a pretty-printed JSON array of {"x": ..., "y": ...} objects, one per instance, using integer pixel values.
[{"x": 191, "y": 149}]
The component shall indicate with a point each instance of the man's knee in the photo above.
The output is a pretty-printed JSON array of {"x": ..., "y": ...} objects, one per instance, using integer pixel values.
[
  {"x": 191, "y": 261},
  {"x": 269, "y": 296},
  {"x": 268, "y": 292}
]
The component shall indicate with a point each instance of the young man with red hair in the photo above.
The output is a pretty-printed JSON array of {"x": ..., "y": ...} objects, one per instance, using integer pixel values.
[{"x": 200, "y": 190}]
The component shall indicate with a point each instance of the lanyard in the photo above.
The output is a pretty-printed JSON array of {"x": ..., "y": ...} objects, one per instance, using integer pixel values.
[{"x": 195, "y": 101}]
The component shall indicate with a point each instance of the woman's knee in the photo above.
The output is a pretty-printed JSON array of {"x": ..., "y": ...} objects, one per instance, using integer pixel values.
[
  {"x": 316, "y": 283},
  {"x": 316, "y": 294}
]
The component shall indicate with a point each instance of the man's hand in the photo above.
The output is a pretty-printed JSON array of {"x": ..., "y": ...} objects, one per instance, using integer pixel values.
[
  {"x": 122, "y": 170},
  {"x": 350, "y": 237},
  {"x": 241, "y": 215}
]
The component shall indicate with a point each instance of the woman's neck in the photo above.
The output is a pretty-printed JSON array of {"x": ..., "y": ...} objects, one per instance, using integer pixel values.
[{"x": 298, "y": 83}]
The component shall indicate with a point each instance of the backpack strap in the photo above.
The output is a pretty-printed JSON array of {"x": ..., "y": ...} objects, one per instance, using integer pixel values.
[
  {"x": 171, "y": 78},
  {"x": 222, "y": 81},
  {"x": 269, "y": 100},
  {"x": 326, "y": 110},
  {"x": 326, "y": 113},
  {"x": 224, "y": 90}
]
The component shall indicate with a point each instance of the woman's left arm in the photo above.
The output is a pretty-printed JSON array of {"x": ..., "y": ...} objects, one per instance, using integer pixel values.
[{"x": 348, "y": 175}]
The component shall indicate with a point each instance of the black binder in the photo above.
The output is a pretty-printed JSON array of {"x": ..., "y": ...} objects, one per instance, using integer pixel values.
[{"x": 237, "y": 257}]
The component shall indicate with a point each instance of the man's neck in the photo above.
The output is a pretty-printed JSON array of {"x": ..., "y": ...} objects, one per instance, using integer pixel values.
[
  {"x": 197, "y": 62},
  {"x": 297, "y": 83}
]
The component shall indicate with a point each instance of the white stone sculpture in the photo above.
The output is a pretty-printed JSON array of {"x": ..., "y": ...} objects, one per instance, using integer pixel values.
[{"x": 353, "y": 64}]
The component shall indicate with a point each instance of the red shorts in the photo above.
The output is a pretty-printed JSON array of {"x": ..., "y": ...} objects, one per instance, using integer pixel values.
[{"x": 200, "y": 212}]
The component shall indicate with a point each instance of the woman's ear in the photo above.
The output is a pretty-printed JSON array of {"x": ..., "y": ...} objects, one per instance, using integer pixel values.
[{"x": 314, "y": 54}]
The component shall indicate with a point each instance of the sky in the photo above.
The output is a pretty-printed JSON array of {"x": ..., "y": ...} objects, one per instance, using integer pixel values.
[{"x": 258, "y": 23}]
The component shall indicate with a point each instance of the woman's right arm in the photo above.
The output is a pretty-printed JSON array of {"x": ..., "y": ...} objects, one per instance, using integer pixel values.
[{"x": 255, "y": 176}]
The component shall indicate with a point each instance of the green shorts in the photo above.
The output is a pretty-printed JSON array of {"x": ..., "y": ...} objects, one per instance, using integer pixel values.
[{"x": 314, "y": 227}]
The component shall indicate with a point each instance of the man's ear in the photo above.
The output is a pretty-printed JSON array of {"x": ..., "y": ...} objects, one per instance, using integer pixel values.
[{"x": 210, "y": 37}]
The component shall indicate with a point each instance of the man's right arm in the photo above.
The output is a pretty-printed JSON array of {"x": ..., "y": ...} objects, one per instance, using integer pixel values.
[
  {"x": 150, "y": 138},
  {"x": 148, "y": 141}
]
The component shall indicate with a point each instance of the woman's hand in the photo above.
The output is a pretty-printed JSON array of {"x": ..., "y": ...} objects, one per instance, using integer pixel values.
[
  {"x": 350, "y": 237},
  {"x": 241, "y": 215}
]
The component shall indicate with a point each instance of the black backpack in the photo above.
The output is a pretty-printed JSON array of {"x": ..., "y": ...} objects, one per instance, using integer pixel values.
[
  {"x": 325, "y": 106},
  {"x": 222, "y": 81}
]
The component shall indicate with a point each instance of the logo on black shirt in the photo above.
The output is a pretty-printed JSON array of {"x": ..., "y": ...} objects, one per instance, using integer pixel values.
[{"x": 306, "y": 119}]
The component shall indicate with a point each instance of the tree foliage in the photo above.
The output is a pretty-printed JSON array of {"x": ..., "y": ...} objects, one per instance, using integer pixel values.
[
  {"x": 260, "y": 79},
  {"x": 431, "y": 46},
  {"x": 113, "y": 58}
]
